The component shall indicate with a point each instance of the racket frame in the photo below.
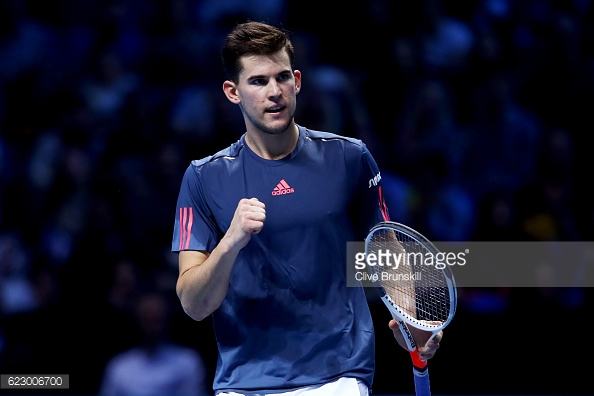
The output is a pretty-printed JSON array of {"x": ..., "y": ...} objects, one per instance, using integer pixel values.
[{"x": 397, "y": 312}]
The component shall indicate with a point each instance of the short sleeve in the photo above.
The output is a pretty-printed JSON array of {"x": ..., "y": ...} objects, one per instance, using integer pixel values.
[{"x": 195, "y": 227}]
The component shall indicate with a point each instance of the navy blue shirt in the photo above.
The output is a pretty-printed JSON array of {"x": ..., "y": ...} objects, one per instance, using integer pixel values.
[{"x": 288, "y": 319}]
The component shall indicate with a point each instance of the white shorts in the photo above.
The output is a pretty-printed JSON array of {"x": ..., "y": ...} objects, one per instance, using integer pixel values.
[{"x": 340, "y": 387}]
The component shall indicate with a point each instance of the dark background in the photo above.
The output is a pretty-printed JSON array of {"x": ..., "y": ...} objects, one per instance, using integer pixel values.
[{"x": 477, "y": 112}]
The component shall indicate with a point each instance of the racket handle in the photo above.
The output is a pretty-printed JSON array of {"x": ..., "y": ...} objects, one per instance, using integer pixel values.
[
  {"x": 421, "y": 376},
  {"x": 420, "y": 371}
]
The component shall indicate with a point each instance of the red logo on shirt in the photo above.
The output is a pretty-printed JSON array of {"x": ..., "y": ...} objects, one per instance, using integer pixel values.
[{"x": 282, "y": 188}]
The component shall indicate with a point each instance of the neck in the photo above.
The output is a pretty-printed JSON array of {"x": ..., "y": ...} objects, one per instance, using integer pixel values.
[{"x": 273, "y": 146}]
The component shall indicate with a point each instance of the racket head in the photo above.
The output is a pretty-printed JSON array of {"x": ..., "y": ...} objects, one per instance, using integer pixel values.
[{"x": 428, "y": 300}]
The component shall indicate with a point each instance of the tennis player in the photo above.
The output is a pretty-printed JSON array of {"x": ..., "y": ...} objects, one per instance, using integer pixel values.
[{"x": 261, "y": 230}]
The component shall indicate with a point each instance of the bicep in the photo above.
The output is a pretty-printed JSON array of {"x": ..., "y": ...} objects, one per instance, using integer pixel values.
[{"x": 191, "y": 258}]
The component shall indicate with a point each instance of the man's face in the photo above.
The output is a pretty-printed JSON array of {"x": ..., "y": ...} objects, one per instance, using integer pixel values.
[{"x": 266, "y": 92}]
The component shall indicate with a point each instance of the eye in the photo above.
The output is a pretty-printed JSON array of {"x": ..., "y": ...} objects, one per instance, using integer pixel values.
[
  {"x": 258, "y": 81},
  {"x": 284, "y": 76}
]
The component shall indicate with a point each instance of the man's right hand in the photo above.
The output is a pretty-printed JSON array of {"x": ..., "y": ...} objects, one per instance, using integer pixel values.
[{"x": 248, "y": 219}]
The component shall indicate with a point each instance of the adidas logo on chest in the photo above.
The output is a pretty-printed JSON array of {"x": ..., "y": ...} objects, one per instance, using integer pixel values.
[{"x": 282, "y": 188}]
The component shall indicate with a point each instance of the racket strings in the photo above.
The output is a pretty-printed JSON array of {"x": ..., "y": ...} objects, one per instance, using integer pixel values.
[{"x": 416, "y": 286}]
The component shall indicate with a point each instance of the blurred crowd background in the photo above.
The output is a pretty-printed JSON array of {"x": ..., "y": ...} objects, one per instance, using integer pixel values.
[{"x": 477, "y": 111}]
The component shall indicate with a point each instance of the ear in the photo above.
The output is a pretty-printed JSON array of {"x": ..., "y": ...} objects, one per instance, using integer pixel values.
[
  {"x": 297, "y": 75},
  {"x": 230, "y": 90}
]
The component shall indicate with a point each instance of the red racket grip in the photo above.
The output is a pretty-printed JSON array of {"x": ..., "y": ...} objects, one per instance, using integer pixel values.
[{"x": 417, "y": 361}]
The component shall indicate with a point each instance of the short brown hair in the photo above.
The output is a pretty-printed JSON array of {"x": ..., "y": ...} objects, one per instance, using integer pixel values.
[{"x": 253, "y": 38}]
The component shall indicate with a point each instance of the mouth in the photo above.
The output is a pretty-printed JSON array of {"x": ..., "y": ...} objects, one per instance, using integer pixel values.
[{"x": 275, "y": 109}]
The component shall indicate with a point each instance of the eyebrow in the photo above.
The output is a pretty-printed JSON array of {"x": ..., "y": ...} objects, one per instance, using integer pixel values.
[{"x": 263, "y": 76}]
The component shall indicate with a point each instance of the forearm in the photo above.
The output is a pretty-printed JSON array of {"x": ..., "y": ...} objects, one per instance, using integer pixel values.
[
  {"x": 204, "y": 277},
  {"x": 202, "y": 286}
]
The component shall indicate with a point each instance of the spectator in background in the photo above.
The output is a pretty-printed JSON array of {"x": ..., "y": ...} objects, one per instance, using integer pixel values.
[
  {"x": 427, "y": 125},
  {"x": 106, "y": 92},
  {"x": 505, "y": 139},
  {"x": 446, "y": 42},
  {"x": 156, "y": 366},
  {"x": 16, "y": 288}
]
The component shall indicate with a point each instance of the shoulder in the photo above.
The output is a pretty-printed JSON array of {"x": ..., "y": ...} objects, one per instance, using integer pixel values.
[
  {"x": 353, "y": 150},
  {"x": 226, "y": 155},
  {"x": 322, "y": 136}
]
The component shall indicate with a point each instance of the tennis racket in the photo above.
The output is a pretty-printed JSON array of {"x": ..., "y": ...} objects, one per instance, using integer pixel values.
[{"x": 417, "y": 291}]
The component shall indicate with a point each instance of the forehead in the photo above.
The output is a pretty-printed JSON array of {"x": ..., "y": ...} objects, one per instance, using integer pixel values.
[{"x": 261, "y": 65}]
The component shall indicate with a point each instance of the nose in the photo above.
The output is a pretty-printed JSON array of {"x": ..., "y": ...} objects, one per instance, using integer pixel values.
[{"x": 273, "y": 88}]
